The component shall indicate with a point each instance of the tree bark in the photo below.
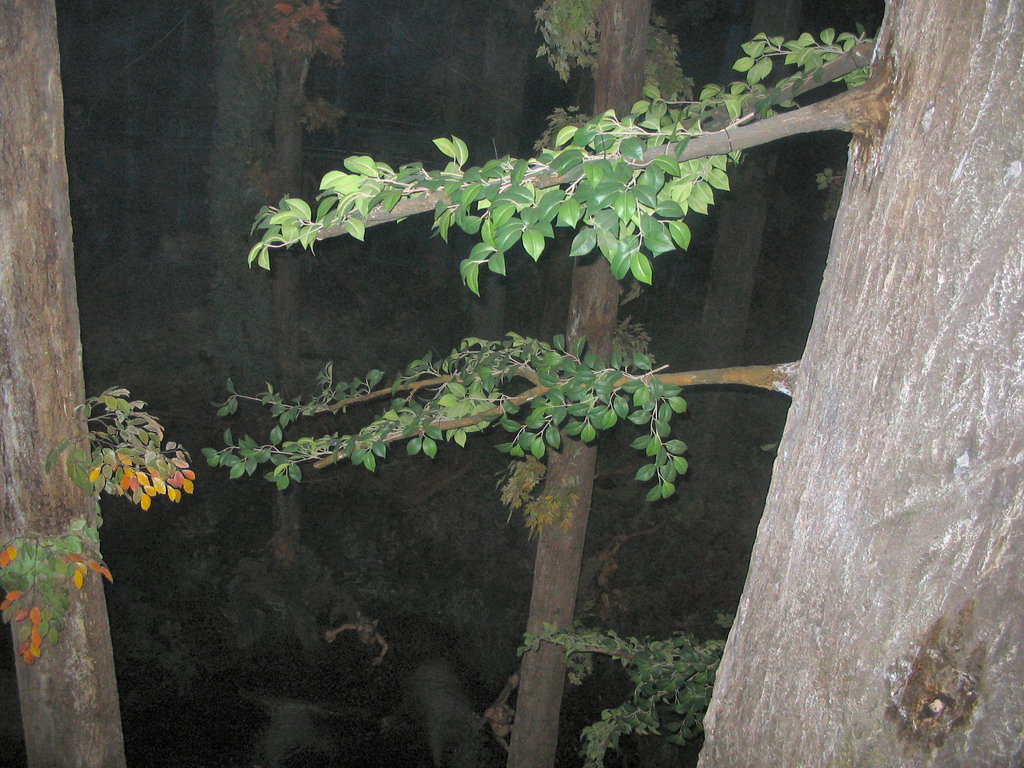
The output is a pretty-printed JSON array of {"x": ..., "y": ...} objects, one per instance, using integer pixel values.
[
  {"x": 286, "y": 285},
  {"x": 881, "y": 620},
  {"x": 593, "y": 309},
  {"x": 68, "y": 697}
]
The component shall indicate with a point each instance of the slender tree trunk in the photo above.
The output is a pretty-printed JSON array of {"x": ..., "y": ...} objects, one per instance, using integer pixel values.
[
  {"x": 882, "y": 616},
  {"x": 593, "y": 311},
  {"x": 286, "y": 284},
  {"x": 68, "y": 697}
]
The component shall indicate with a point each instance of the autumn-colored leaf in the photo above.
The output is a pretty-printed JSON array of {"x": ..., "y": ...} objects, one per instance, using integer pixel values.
[
  {"x": 189, "y": 474},
  {"x": 96, "y": 471},
  {"x": 13, "y": 595},
  {"x": 100, "y": 568},
  {"x": 78, "y": 579},
  {"x": 187, "y": 486},
  {"x": 283, "y": 8},
  {"x": 159, "y": 485},
  {"x": 7, "y": 603},
  {"x": 75, "y": 558},
  {"x": 21, "y": 615},
  {"x": 179, "y": 463},
  {"x": 144, "y": 502},
  {"x": 134, "y": 483},
  {"x": 143, "y": 479},
  {"x": 174, "y": 494},
  {"x": 35, "y": 651},
  {"x": 35, "y": 615},
  {"x": 5, "y": 559}
]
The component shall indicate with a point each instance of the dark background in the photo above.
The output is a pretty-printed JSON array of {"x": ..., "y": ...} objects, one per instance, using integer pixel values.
[{"x": 210, "y": 636}]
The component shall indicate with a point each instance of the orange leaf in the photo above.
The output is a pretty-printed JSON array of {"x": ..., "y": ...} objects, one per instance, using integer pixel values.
[
  {"x": 78, "y": 579},
  {"x": 5, "y": 559},
  {"x": 7, "y": 603},
  {"x": 35, "y": 615},
  {"x": 100, "y": 568},
  {"x": 133, "y": 483},
  {"x": 283, "y": 8},
  {"x": 75, "y": 558},
  {"x": 14, "y": 594},
  {"x": 37, "y": 639},
  {"x": 29, "y": 658},
  {"x": 188, "y": 473},
  {"x": 21, "y": 615}
]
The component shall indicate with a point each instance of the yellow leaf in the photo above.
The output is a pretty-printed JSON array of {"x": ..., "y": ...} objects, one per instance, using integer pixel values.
[
  {"x": 187, "y": 485},
  {"x": 96, "y": 471},
  {"x": 78, "y": 579},
  {"x": 159, "y": 484},
  {"x": 145, "y": 502},
  {"x": 174, "y": 494},
  {"x": 143, "y": 479}
]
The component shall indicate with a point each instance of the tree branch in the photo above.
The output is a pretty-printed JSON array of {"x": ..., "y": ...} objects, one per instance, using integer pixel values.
[
  {"x": 780, "y": 377},
  {"x": 839, "y": 113}
]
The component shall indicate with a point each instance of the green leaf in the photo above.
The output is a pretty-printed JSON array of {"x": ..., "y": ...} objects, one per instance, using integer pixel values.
[
  {"x": 632, "y": 149},
  {"x": 566, "y": 133},
  {"x": 584, "y": 242},
  {"x": 640, "y": 266},
  {"x": 569, "y": 212},
  {"x": 533, "y": 242},
  {"x": 356, "y": 228},
  {"x": 680, "y": 233},
  {"x": 365, "y": 166},
  {"x": 446, "y": 147}
]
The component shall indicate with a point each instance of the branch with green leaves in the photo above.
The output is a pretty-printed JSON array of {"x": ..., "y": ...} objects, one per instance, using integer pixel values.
[
  {"x": 672, "y": 682},
  {"x": 625, "y": 184},
  {"x": 534, "y": 391}
]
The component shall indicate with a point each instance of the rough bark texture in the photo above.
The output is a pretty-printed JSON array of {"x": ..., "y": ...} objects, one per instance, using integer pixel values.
[
  {"x": 69, "y": 697},
  {"x": 881, "y": 620},
  {"x": 593, "y": 309}
]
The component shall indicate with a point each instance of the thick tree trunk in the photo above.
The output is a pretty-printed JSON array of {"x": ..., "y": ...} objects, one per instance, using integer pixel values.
[
  {"x": 69, "y": 697},
  {"x": 882, "y": 616},
  {"x": 593, "y": 309}
]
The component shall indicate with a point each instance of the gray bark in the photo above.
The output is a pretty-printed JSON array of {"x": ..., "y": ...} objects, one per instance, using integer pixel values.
[
  {"x": 68, "y": 697},
  {"x": 881, "y": 620}
]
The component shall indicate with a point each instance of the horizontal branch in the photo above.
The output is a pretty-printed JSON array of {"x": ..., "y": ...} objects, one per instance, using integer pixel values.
[
  {"x": 779, "y": 377},
  {"x": 837, "y": 113}
]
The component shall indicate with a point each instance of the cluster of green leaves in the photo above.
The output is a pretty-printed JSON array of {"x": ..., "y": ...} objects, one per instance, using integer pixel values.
[
  {"x": 806, "y": 53},
  {"x": 672, "y": 682},
  {"x": 621, "y": 182},
  {"x": 122, "y": 454},
  {"x": 474, "y": 387}
]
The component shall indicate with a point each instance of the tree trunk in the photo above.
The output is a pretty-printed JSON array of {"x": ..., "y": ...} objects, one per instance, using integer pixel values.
[
  {"x": 881, "y": 620},
  {"x": 286, "y": 285},
  {"x": 68, "y": 697},
  {"x": 593, "y": 309}
]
